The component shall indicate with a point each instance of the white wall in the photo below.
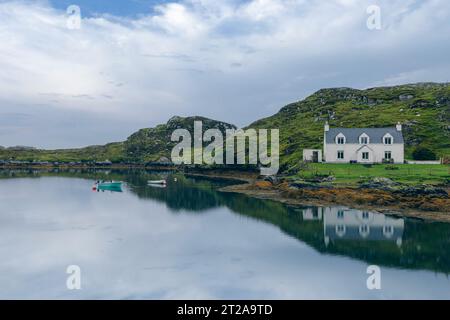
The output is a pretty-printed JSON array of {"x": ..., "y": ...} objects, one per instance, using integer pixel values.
[
  {"x": 351, "y": 153},
  {"x": 423, "y": 162},
  {"x": 308, "y": 154}
]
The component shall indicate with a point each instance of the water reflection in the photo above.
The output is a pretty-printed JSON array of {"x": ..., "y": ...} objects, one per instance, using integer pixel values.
[
  {"x": 328, "y": 229},
  {"x": 350, "y": 224},
  {"x": 368, "y": 236}
]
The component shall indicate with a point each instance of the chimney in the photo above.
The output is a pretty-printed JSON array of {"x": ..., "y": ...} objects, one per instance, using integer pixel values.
[
  {"x": 398, "y": 126},
  {"x": 327, "y": 127}
]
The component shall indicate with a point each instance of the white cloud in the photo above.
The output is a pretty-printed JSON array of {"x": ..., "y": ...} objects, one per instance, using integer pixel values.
[{"x": 228, "y": 60}]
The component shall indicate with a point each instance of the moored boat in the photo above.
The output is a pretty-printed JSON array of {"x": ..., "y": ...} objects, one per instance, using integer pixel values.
[
  {"x": 159, "y": 182},
  {"x": 111, "y": 184},
  {"x": 108, "y": 185}
]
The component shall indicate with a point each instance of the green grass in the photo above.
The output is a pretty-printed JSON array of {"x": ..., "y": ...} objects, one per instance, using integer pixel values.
[{"x": 351, "y": 174}]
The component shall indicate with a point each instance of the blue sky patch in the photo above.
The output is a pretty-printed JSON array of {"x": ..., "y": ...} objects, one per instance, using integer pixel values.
[{"x": 128, "y": 8}]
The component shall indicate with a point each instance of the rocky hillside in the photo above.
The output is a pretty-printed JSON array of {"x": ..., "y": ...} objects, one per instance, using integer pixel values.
[
  {"x": 154, "y": 143},
  {"x": 423, "y": 109}
]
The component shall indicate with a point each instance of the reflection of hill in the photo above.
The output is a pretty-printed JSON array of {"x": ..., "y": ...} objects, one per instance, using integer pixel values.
[
  {"x": 373, "y": 238},
  {"x": 178, "y": 197},
  {"x": 390, "y": 242},
  {"x": 423, "y": 246},
  {"x": 184, "y": 194}
]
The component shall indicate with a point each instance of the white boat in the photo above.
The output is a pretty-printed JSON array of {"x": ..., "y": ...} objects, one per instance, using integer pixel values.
[
  {"x": 160, "y": 182},
  {"x": 162, "y": 186}
]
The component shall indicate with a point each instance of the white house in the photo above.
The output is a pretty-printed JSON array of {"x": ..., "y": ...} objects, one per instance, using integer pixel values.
[{"x": 363, "y": 145}]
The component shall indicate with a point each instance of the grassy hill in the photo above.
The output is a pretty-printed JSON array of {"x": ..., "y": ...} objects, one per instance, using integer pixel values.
[
  {"x": 154, "y": 143},
  {"x": 423, "y": 109},
  {"x": 111, "y": 151}
]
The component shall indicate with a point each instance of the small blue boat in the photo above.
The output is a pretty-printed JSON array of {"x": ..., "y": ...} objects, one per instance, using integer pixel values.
[{"x": 110, "y": 186}]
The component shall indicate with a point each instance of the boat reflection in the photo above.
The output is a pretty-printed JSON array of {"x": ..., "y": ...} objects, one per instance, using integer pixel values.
[
  {"x": 111, "y": 188},
  {"x": 159, "y": 186}
]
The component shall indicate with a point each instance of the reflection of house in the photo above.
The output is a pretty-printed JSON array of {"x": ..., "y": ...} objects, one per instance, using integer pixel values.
[
  {"x": 314, "y": 213},
  {"x": 349, "y": 224}
]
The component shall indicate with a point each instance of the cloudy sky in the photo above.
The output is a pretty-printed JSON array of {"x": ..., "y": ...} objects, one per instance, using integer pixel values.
[{"x": 136, "y": 63}]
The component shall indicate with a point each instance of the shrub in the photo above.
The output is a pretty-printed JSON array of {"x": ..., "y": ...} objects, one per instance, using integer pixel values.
[{"x": 422, "y": 153}]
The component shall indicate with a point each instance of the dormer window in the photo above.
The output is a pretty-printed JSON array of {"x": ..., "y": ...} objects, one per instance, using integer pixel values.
[
  {"x": 364, "y": 139},
  {"x": 340, "y": 139},
  {"x": 388, "y": 139}
]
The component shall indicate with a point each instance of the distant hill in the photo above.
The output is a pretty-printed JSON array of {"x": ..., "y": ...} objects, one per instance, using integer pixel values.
[
  {"x": 154, "y": 143},
  {"x": 422, "y": 108},
  {"x": 111, "y": 151}
]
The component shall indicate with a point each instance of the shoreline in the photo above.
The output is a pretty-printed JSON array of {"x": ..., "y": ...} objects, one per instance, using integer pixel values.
[
  {"x": 90, "y": 167},
  {"x": 247, "y": 183},
  {"x": 327, "y": 197}
]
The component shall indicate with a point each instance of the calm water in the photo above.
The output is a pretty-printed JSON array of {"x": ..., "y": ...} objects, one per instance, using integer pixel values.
[{"x": 190, "y": 241}]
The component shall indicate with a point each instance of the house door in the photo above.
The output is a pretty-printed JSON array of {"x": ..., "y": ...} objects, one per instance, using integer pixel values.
[{"x": 315, "y": 157}]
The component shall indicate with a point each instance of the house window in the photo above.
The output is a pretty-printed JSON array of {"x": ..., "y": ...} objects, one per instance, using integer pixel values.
[
  {"x": 365, "y": 156},
  {"x": 365, "y": 215},
  {"x": 364, "y": 140},
  {"x": 340, "y": 214},
  {"x": 364, "y": 230},
  {"x": 340, "y": 230},
  {"x": 340, "y": 155},
  {"x": 388, "y": 231},
  {"x": 387, "y": 140},
  {"x": 388, "y": 155},
  {"x": 340, "y": 140}
]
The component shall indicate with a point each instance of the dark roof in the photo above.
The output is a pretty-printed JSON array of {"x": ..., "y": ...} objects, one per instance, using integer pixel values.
[{"x": 375, "y": 134}]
